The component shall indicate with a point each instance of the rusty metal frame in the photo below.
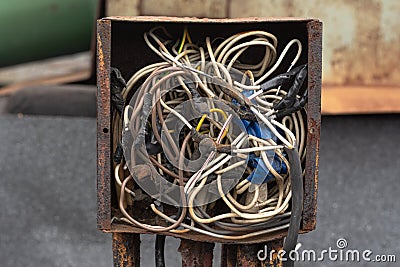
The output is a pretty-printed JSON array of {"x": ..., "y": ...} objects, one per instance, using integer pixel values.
[
  {"x": 314, "y": 29},
  {"x": 104, "y": 123}
]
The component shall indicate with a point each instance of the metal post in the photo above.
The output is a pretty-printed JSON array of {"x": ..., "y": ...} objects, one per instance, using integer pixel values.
[
  {"x": 196, "y": 254},
  {"x": 126, "y": 250},
  {"x": 228, "y": 255},
  {"x": 258, "y": 255}
]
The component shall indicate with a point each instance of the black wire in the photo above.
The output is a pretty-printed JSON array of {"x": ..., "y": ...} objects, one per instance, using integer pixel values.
[
  {"x": 146, "y": 109},
  {"x": 159, "y": 251},
  {"x": 291, "y": 96},
  {"x": 297, "y": 203},
  {"x": 119, "y": 153},
  {"x": 117, "y": 84}
]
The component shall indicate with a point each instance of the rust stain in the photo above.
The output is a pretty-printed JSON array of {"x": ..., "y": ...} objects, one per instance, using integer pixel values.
[
  {"x": 228, "y": 255},
  {"x": 364, "y": 56},
  {"x": 248, "y": 255},
  {"x": 126, "y": 250},
  {"x": 196, "y": 254},
  {"x": 359, "y": 63},
  {"x": 313, "y": 125},
  {"x": 103, "y": 122},
  {"x": 198, "y": 8},
  {"x": 274, "y": 261}
]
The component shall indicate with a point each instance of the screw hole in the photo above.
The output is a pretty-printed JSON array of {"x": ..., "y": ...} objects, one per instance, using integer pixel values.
[{"x": 105, "y": 130}]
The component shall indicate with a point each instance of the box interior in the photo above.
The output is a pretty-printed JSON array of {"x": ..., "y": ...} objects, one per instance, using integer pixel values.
[{"x": 129, "y": 53}]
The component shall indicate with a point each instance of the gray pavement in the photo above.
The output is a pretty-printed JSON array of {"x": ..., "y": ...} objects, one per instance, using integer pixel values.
[{"x": 48, "y": 198}]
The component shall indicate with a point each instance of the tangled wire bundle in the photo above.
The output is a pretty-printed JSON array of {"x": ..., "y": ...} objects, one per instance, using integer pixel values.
[{"x": 214, "y": 136}]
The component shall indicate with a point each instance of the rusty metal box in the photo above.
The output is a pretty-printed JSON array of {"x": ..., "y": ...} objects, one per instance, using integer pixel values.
[{"x": 120, "y": 44}]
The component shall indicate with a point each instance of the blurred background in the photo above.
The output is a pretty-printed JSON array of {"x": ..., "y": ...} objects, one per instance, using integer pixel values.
[{"x": 48, "y": 126}]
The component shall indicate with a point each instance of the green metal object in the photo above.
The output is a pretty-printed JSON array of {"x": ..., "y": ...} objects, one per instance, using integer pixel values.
[{"x": 32, "y": 30}]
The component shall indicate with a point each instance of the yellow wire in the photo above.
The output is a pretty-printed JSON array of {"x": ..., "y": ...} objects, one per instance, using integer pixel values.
[
  {"x": 188, "y": 36},
  {"x": 184, "y": 37},
  {"x": 201, "y": 122},
  {"x": 205, "y": 116},
  {"x": 185, "y": 33},
  {"x": 219, "y": 111}
]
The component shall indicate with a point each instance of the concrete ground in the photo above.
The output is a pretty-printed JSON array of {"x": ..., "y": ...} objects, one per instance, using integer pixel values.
[{"x": 48, "y": 197}]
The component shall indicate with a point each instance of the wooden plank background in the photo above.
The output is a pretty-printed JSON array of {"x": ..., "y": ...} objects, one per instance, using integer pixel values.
[{"x": 360, "y": 43}]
